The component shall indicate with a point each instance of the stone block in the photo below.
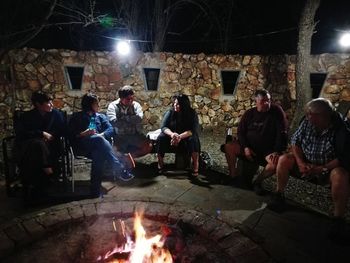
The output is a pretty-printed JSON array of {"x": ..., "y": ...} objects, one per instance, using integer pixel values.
[
  {"x": 55, "y": 217},
  {"x": 34, "y": 229},
  {"x": 76, "y": 212},
  {"x": 89, "y": 210},
  {"x": 18, "y": 234}
]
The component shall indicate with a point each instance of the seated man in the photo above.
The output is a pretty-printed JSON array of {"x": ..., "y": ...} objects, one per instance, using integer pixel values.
[
  {"x": 262, "y": 137},
  {"x": 126, "y": 115},
  {"x": 90, "y": 132},
  {"x": 37, "y": 138},
  {"x": 320, "y": 152}
]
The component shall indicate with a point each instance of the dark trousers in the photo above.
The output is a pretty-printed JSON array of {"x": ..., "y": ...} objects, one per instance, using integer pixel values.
[
  {"x": 33, "y": 156},
  {"x": 189, "y": 145}
]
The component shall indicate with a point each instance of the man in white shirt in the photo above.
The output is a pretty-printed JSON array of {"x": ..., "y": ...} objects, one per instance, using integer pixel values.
[{"x": 126, "y": 115}]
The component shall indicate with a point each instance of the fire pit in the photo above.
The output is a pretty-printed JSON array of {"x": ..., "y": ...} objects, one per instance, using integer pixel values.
[{"x": 114, "y": 231}]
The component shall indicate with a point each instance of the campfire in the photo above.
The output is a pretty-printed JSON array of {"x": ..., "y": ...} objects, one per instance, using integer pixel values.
[{"x": 136, "y": 246}]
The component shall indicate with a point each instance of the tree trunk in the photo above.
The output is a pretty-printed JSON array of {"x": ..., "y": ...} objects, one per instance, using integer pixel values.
[{"x": 303, "y": 89}]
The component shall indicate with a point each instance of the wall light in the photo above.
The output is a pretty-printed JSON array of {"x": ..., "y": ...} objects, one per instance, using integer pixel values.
[
  {"x": 344, "y": 40},
  {"x": 123, "y": 47}
]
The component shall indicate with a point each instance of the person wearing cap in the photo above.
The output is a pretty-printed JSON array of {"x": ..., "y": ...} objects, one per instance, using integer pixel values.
[{"x": 37, "y": 139}]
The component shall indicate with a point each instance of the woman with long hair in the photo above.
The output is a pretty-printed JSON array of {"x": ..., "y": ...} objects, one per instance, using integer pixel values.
[{"x": 179, "y": 130}]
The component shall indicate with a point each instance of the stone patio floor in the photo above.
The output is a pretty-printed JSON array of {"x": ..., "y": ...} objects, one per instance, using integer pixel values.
[{"x": 298, "y": 235}]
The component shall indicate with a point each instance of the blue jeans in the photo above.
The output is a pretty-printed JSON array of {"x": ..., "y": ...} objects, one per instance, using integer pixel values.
[{"x": 100, "y": 150}]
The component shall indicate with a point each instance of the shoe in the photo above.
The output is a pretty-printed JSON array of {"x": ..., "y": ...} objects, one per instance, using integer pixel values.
[
  {"x": 195, "y": 173},
  {"x": 277, "y": 203},
  {"x": 129, "y": 161},
  {"x": 161, "y": 170},
  {"x": 126, "y": 175},
  {"x": 339, "y": 232},
  {"x": 258, "y": 189}
]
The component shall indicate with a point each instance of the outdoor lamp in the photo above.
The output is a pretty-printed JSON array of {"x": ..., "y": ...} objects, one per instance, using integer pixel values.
[
  {"x": 344, "y": 40},
  {"x": 123, "y": 47}
]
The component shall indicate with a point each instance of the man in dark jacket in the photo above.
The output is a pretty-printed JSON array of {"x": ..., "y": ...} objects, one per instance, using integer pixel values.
[
  {"x": 38, "y": 133},
  {"x": 262, "y": 137},
  {"x": 320, "y": 153}
]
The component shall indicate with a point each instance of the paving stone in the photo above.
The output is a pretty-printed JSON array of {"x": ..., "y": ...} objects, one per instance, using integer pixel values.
[
  {"x": 113, "y": 207},
  {"x": 89, "y": 210},
  {"x": 221, "y": 232},
  {"x": 242, "y": 246},
  {"x": 128, "y": 208},
  {"x": 34, "y": 229},
  {"x": 157, "y": 210},
  {"x": 210, "y": 225},
  {"x": 53, "y": 218},
  {"x": 18, "y": 234},
  {"x": 76, "y": 212}
]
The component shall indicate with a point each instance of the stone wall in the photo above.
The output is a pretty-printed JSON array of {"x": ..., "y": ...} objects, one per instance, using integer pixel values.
[{"x": 195, "y": 75}]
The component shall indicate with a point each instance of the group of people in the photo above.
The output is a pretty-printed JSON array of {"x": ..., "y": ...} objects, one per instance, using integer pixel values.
[
  {"x": 319, "y": 151},
  {"x": 116, "y": 137},
  {"x": 319, "y": 148}
]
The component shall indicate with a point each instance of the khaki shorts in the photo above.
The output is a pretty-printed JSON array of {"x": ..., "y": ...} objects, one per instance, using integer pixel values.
[{"x": 130, "y": 143}]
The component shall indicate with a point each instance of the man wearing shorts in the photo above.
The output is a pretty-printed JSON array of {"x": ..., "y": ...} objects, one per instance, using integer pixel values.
[
  {"x": 320, "y": 152},
  {"x": 126, "y": 115}
]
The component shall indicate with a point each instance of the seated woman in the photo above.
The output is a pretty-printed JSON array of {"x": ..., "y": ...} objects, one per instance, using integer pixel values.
[
  {"x": 90, "y": 132},
  {"x": 179, "y": 129}
]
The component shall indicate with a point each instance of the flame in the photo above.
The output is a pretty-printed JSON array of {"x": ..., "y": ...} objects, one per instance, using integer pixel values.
[{"x": 143, "y": 250}]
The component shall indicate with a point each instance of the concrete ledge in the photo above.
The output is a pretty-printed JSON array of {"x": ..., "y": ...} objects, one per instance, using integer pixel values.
[{"x": 309, "y": 195}]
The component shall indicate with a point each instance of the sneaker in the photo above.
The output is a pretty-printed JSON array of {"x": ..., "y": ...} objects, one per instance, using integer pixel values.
[
  {"x": 126, "y": 175},
  {"x": 277, "y": 203}
]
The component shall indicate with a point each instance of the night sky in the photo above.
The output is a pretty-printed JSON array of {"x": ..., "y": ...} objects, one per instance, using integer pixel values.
[{"x": 242, "y": 26}]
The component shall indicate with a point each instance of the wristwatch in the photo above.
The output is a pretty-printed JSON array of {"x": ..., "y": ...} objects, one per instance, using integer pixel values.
[{"x": 325, "y": 170}]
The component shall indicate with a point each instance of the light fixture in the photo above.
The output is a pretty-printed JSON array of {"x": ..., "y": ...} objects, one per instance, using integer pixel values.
[
  {"x": 123, "y": 47},
  {"x": 344, "y": 40}
]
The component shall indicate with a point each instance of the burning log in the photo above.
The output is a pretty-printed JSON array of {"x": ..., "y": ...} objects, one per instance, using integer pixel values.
[{"x": 120, "y": 230}]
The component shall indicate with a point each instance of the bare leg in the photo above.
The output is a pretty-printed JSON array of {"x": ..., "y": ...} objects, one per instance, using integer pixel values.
[
  {"x": 340, "y": 190},
  {"x": 195, "y": 161},
  {"x": 284, "y": 166},
  {"x": 160, "y": 161},
  {"x": 231, "y": 152}
]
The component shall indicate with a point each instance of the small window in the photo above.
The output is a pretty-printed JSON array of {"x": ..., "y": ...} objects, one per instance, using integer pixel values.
[
  {"x": 151, "y": 78},
  {"x": 74, "y": 75},
  {"x": 229, "y": 81},
  {"x": 316, "y": 83}
]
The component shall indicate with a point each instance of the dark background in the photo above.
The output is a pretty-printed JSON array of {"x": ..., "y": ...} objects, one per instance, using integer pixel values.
[{"x": 254, "y": 27}]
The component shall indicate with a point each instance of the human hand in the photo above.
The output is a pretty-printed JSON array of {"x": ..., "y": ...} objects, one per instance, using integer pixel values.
[
  {"x": 305, "y": 168},
  {"x": 88, "y": 132},
  {"x": 273, "y": 158},
  {"x": 249, "y": 153},
  {"x": 175, "y": 139},
  {"x": 47, "y": 136}
]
